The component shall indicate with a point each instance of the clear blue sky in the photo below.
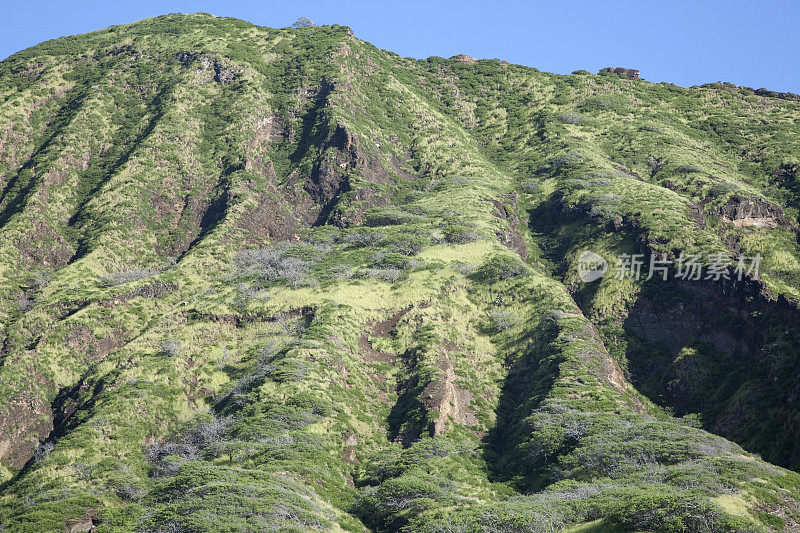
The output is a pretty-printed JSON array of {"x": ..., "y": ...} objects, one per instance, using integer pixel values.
[{"x": 747, "y": 42}]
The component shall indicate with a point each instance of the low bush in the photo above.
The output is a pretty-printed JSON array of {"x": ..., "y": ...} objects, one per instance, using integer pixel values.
[
  {"x": 530, "y": 185},
  {"x": 568, "y": 160},
  {"x": 500, "y": 267},
  {"x": 389, "y": 216},
  {"x": 384, "y": 274},
  {"x": 459, "y": 234},
  {"x": 392, "y": 260},
  {"x": 501, "y": 320},
  {"x": 119, "y": 278},
  {"x": 570, "y": 118},
  {"x": 362, "y": 238},
  {"x": 283, "y": 263},
  {"x": 406, "y": 243},
  {"x": 170, "y": 347}
]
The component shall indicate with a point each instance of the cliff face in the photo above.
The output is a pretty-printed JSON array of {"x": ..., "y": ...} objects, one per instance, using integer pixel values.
[
  {"x": 726, "y": 352},
  {"x": 259, "y": 279}
]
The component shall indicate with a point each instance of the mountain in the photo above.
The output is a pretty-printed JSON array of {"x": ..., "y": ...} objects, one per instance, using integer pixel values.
[{"x": 264, "y": 279}]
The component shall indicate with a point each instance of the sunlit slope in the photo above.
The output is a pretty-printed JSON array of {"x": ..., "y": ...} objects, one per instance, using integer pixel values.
[{"x": 280, "y": 279}]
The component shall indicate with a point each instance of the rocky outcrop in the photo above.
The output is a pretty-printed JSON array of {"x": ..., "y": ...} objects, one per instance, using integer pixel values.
[
  {"x": 342, "y": 156},
  {"x": 465, "y": 59},
  {"x": 721, "y": 349},
  {"x": 25, "y": 421},
  {"x": 510, "y": 237},
  {"x": 448, "y": 399},
  {"x": 629, "y": 73},
  {"x": 755, "y": 212}
]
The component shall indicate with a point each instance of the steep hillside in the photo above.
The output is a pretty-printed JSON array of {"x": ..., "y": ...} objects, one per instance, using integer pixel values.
[{"x": 260, "y": 279}]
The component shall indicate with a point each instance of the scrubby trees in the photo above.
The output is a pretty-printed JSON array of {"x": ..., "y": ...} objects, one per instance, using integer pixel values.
[{"x": 304, "y": 22}]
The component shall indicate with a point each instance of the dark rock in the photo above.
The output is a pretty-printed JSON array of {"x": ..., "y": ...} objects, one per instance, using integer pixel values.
[
  {"x": 629, "y": 73},
  {"x": 743, "y": 211}
]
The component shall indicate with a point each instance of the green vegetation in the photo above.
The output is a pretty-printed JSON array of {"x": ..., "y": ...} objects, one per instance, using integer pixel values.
[{"x": 279, "y": 279}]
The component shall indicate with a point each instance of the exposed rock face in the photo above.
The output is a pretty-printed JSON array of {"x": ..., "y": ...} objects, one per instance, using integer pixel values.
[
  {"x": 87, "y": 523},
  {"x": 719, "y": 348},
  {"x": 463, "y": 58},
  {"x": 25, "y": 421},
  {"x": 630, "y": 73},
  {"x": 511, "y": 238},
  {"x": 448, "y": 399},
  {"x": 742, "y": 211}
]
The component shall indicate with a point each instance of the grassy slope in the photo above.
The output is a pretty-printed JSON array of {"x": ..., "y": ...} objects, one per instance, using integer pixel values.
[{"x": 411, "y": 371}]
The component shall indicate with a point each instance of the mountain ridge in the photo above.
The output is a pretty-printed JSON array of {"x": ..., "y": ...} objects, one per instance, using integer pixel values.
[{"x": 258, "y": 278}]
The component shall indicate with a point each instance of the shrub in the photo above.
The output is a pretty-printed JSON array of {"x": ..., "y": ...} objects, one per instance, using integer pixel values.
[
  {"x": 286, "y": 263},
  {"x": 606, "y": 207},
  {"x": 304, "y": 22},
  {"x": 459, "y": 234},
  {"x": 380, "y": 506},
  {"x": 119, "y": 278},
  {"x": 616, "y": 104},
  {"x": 570, "y": 159},
  {"x": 38, "y": 280},
  {"x": 570, "y": 118},
  {"x": 341, "y": 272},
  {"x": 688, "y": 169},
  {"x": 170, "y": 347},
  {"x": 500, "y": 267},
  {"x": 248, "y": 292},
  {"x": 389, "y": 216},
  {"x": 362, "y": 238},
  {"x": 24, "y": 303},
  {"x": 530, "y": 185},
  {"x": 384, "y": 274},
  {"x": 651, "y": 510},
  {"x": 464, "y": 268},
  {"x": 501, "y": 320},
  {"x": 84, "y": 470},
  {"x": 392, "y": 260},
  {"x": 289, "y": 370},
  {"x": 406, "y": 243}
]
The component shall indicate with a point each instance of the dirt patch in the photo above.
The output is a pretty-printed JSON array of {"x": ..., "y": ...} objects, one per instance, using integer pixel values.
[
  {"x": 270, "y": 221},
  {"x": 88, "y": 523},
  {"x": 44, "y": 246},
  {"x": 754, "y": 222},
  {"x": 25, "y": 421},
  {"x": 383, "y": 329},
  {"x": 350, "y": 441},
  {"x": 106, "y": 345},
  {"x": 81, "y": 339},
  {"x": 448, "y": 399},
  {"x": 371, "y": 355},
  {"x": 386, "y": 328},
  {"x": 695, "y": 213}
]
